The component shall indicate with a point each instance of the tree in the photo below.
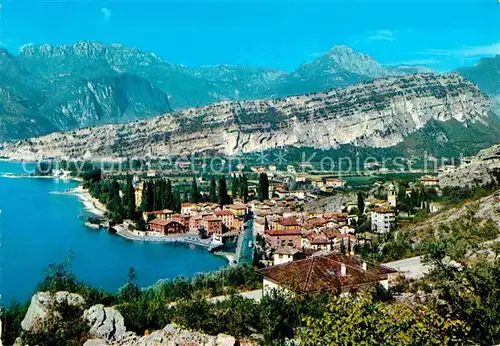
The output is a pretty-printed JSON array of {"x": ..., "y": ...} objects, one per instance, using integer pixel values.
[
  {"x": 213, "y": 190},
  {"x": 223, "y": 196},
  {"x": 244, "y": 188},
  {"x": 468, "y": 285},
  {"x": 129, "y": 199},
  {"x": 364, "y": 322},
  {"x": 263, "y": 189},
  {"x": 361, "y": 203},
  {"x": 168, "y": 196},
  {"x": 235, "y": 186},
  {"x": 195, "y": 195}
]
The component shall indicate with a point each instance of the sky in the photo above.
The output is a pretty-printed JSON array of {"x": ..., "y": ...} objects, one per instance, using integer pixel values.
[{"x": 442, "y": 35}]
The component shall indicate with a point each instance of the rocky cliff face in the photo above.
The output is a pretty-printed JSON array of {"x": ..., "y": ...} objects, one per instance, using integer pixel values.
[
  {"x": 47, "y": 88},
  {"x": 482, "y": 169},
  {"x": 376, "y": 114}
]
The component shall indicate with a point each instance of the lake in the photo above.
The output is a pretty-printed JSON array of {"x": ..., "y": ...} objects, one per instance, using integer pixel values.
[{"x": 39, "y": 227}]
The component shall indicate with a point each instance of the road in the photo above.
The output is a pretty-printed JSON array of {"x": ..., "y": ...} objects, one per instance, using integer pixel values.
[
  {"x": 412, "y": 268},
  {"x": 244, "y": 253}
]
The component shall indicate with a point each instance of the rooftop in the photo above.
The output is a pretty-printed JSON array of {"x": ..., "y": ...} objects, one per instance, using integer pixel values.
[
  {"x": 324, "y": 273},
  {"x": 281, "y": 232}
]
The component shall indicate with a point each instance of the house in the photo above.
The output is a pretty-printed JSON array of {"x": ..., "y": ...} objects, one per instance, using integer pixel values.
[
  {"x": 383, "y": 220},
  {"x": 238, "y": 209},
  {"x": 320, "y": 242},
  {"x": 290, "y": 169},
  {"x": 182, "y": 219},
  {"x": 333, "y": 273},
  {"x": 283, "y": 237},
  {"x": 317, "y": 182},
  {"x": 428, "y": 180},
  {"x": 285, "y": 254},
  {"x": 300, "y": 178},
  {"x": 334, "y": 182},
  {"x": 165, "y": 227},
  {"x": 285, "y": 223},
  {"x": 211, "y": 224},
  {"x": 186, "y": 208},
  {"x": 165, "y": 214},
  {"x": 227, "y": 218}
]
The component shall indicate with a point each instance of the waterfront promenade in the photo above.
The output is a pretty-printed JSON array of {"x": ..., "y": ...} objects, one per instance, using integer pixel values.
[{"x": 185, "y": 238}]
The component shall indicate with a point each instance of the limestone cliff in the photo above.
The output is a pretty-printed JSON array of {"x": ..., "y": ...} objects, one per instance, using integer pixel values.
[{"x": 381, "y": 113}]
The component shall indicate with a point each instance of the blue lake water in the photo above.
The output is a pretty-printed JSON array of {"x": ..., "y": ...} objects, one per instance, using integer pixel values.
[{"x": 38, "y": 228}]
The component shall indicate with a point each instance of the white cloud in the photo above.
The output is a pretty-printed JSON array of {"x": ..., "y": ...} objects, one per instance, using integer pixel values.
[
  {"x": 466, "y": 51},
  {"x": 384, "y": 35},
  {"x": 106, "y": 12},
  {"x": 415, "y": 62}
]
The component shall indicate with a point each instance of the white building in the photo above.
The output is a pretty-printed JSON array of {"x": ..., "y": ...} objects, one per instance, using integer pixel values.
[
  {"x": 391, "y": 195},
  {"x": 334, "y": 182},
  {"x": 383, "y": 220},
  {"x": 285, "y": 255}
]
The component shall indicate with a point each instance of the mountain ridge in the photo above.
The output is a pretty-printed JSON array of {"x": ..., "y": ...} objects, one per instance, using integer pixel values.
[{"x": 379, "y": 114}]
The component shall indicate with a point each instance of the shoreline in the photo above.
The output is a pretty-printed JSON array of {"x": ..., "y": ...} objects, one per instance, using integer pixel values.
[{"x": 90, "y": 204}]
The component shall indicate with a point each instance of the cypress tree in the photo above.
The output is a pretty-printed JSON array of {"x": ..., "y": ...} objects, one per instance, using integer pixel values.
[
  {"x": 235, "y": 186},
  {"x": 263, "y": 189},
  {"x": 213, "y": 190},
  {"x": 129, "y": 198},
  {"x": 195, "y": 196},
  {"x": 244, "y": 188},
  {"x": 361, "y": 204},
  {"x": 223, "y": 196}
]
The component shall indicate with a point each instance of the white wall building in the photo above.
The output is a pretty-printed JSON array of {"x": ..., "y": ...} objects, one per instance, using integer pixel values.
[{"x": 383, "y": 220}]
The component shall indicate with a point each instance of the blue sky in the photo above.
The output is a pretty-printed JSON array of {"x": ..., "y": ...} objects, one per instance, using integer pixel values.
[{"x": 283, "y": 34}]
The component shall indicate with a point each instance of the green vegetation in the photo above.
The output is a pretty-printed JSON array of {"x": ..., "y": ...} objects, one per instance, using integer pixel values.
[{"x": 461, "y": 305}]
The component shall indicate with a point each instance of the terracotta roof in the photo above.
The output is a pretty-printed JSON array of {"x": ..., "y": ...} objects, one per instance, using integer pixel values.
[
  {"x": 291, "y": 221},
  {"x": 286, "y": 250},
  {"x": 429, "y": 178},
  {"x": 158, "y": 222},
  {"x": 383, "y": 210},
  {"x": 323, "y": 273},
  {"x": 235, "y": 206},
  {"x": 317, "y": 222},
  {"x": 212, "y": 219},
  {"x": 331, "y": 232},
  {"x": 319, "y": 239},
  {"x": 223, "y": 212},
  {"x": 164, "y": 211},
  {"x": 281, "y": 232}
]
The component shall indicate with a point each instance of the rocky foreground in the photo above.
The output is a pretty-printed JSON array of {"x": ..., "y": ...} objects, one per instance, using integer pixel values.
[
  {"x": 107, "y": 327},
  {"x": 381, "y": 113},
  {"x": 479, "y": 170}
]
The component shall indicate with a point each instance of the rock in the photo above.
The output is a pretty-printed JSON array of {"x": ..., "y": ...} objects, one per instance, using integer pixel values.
[
  {"x": 105, "y": 323},
  {"x": 225, "y": 340},
  {"x": 173, "y": 335},
  {"x": 95, "y": 342},
  {"x": 378, "y": 114},
  {"x": 40, "y": 304}
]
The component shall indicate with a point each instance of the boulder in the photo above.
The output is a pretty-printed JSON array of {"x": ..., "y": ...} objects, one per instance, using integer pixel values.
[
  {"x": 225, "y": 340},
  {"x": 40, "y": 305},
  {"x": 105, "y": 323},
  {"x": 95, "y": 342}
]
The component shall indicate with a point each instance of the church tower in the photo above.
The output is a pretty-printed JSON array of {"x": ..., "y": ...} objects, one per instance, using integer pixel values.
[{"x": 391, "y": 195}]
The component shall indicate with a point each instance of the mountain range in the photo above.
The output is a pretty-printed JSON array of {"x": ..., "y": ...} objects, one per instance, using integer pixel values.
[
  {"x": 437, "y": 113},
  {"x": 52, "y": 88}
]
